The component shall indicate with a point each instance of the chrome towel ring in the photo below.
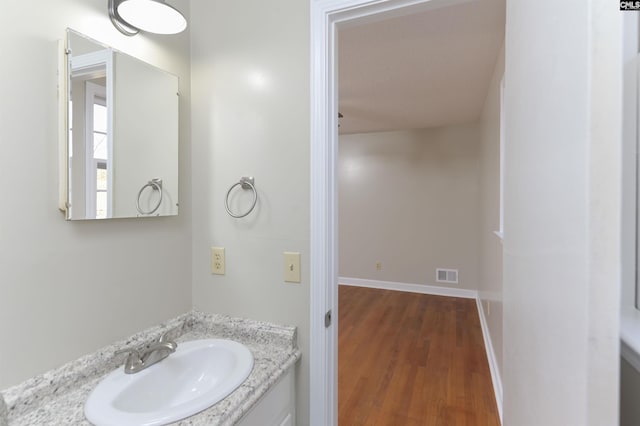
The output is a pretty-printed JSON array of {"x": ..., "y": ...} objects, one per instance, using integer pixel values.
[
  {"x": 245, "y": 183},
  {"x": 156, "y": 185}
]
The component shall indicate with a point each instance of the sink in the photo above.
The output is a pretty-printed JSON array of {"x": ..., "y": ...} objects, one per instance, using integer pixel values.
[{"x": 196, "y": 376}]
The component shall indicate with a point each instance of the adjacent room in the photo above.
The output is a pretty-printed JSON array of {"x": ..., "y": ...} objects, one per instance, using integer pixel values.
[{"x": 419, "y": 216}]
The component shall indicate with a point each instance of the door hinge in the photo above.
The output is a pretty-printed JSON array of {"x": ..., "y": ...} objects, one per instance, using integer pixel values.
[{"x": 327, "y": 319}]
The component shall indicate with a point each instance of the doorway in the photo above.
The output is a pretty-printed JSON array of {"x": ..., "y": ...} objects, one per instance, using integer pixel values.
[
  {"x": 418, "y": 188},
  {"x": 327, "y": 18}
]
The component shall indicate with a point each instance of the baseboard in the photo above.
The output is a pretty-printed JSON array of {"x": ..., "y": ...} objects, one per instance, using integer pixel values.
[
  {"x": 491, "y": 357},
  {"x": 411, "y": 288}
]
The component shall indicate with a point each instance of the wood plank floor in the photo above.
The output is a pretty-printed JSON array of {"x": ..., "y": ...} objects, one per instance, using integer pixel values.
[{"x": 411, "y": 359}]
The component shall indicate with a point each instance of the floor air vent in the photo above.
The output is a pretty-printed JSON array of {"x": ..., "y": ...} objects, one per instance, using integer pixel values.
[{"x": 447, "y": 276}]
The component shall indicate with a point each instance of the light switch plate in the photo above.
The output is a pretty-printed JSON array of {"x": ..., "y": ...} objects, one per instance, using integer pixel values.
[
  {"x": 291, "y": 267},
  {"x": 217, "y": 260}
]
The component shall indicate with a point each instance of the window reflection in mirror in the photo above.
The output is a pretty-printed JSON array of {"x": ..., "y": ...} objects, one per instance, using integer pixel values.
[{"x": 99, "y": 188}]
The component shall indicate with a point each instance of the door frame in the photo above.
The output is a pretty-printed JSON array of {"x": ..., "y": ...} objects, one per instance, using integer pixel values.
[{"x": 326, "y": 17}]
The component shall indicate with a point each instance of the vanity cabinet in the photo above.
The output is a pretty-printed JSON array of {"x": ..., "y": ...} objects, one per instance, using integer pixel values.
[{"x": 276, "y": 407}]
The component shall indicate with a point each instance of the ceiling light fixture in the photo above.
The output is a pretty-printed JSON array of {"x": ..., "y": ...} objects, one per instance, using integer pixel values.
[{"x": 153, "y": 16}]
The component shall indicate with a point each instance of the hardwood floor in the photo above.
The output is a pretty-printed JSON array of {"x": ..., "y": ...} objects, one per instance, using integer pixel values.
[{"x": 411, "y": 359}]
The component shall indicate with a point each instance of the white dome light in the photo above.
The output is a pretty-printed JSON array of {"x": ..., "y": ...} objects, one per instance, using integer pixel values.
[{"x": 153, "y": 16}]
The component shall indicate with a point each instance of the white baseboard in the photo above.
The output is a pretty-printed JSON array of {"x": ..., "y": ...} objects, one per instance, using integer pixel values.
[
  {"x": 411, "y": 288},
  {"x": 491, "y": 356},
  {"x": 451, "y": 292}
]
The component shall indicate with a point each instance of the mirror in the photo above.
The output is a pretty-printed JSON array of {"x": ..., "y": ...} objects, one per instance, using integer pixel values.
[{"x": 121, "y": 135}]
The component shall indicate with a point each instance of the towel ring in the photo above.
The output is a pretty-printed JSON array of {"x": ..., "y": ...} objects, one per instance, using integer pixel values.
[
  {"x": 245, "y": 183},
  {"x": 156, "y": 185}
]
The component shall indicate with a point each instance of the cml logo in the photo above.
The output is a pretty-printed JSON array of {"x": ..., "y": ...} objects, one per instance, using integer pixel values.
[{"x": 629, "y": 5}]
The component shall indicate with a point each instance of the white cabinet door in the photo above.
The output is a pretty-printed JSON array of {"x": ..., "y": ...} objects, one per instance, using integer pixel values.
[{"x": 276, "y": 407}]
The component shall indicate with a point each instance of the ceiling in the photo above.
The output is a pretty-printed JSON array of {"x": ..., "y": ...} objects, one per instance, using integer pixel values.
[{"x": 421, "y": 70}]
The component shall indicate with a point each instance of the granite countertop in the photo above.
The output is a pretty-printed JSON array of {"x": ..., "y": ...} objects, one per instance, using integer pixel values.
[{"x": 58, "y": 396}]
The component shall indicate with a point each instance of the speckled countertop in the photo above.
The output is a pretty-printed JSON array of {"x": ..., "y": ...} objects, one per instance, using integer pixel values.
[{"x": 57, "y": 397}]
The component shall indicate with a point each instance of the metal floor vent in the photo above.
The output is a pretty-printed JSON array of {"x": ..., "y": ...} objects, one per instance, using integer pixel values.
[{"x": 447, "y": 276}]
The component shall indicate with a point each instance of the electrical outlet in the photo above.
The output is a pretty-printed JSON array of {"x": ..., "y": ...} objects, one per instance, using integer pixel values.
[
  {"x": 378, "y": 266},
  {"x": 217, "y": 260},
  {"x": 291, "y": 267}
]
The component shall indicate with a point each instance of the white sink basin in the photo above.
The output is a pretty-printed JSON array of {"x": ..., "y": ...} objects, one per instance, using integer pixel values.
[{"x": 199, "y": 374}]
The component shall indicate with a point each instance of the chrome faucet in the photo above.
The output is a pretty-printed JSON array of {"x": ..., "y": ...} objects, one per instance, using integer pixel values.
[{"x": 153, "y": 353}]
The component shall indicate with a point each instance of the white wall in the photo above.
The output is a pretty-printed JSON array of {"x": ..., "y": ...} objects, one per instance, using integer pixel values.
[
  {"x": 490, "y": 278},
  {"x": 562, "y": 210},
  {"x": 69, "y": 288},
  {"x": 630, "y": 123},
  {"x": 250, "y": 86},
  {"x": 410, "y": 200}
]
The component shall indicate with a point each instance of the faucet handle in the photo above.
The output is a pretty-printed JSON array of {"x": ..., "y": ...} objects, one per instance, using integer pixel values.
[
  {"x": 164, "y": 337},
  {"x": 133, "y": 361}
]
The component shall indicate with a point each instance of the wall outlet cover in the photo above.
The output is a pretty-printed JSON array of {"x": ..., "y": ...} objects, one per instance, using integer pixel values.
[{"x": 217, "y": 260}]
